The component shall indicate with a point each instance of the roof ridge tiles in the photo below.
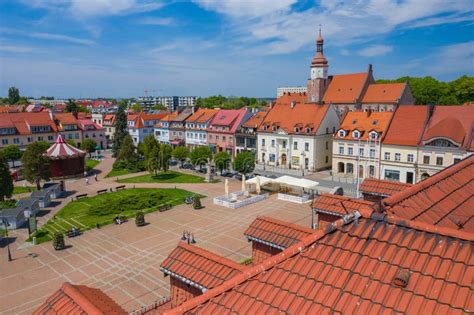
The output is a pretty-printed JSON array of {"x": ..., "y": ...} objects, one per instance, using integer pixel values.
[
  {"x": 286, "y": 224},
  {"x": 78, "y": 297},
  {"x": 266, "y": 264},
  {"x": 410, "y": 191}
]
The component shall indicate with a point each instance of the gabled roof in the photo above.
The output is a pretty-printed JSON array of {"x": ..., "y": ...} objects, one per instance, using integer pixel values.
[
  {"x": 382, "y": 188},
  {"x": 364, "y": 263},
  {"x": 345, "y": 88},
  {"x": 364, "y": 122},
  {"x": 276, "y": 233},
  {"x": 109, "y": 120},
  {"x": 66, "y": 118},
  {"x": 288, "y": 98},
  {"x": 256, "y": 120},
  {"x": 199, "y": 267},
  {"x": 79, "y": 299},
  {"x": 384, "y": 93},
  {"x": 86, "y": 122},
  {"x": 167, "y": 118},
  {"x": 407, "y": 125},
  {"x": 340, "y": 205},
  {"x": 453, "y": 122},
  {"x": 287, "y": 117},
  {"x": 22, "y": 122},
  {"x": 230, "y": 118},
  {"x": 445, "y": 199},
  {"x": 202, "y": 115}
]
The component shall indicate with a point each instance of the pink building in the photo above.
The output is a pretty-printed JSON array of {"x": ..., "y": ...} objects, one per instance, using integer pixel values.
[
  {"x": 221, "y": 130},
  {"x": 91, "y": 130}
]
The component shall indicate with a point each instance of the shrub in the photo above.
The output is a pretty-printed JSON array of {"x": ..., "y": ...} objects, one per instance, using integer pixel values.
[
  {"x": 197, "y": 202},
  {"x": 140, "y": 218},
  {"x": 58, "y": 241}
]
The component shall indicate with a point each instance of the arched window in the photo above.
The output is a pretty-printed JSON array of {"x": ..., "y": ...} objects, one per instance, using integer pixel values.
[{"x": 341, "y": 133}]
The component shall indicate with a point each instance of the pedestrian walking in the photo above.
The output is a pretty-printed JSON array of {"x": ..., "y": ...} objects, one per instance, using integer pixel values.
[
  {"x": 87, "y": 180},
  {"x": 85, "y": 173},
  {"x": 95, "y": 177}
]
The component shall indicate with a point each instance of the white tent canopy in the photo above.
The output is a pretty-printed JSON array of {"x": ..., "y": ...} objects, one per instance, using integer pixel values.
[
  {"x": 263, "y": 180},
  {"x": 296, "y": 182}
]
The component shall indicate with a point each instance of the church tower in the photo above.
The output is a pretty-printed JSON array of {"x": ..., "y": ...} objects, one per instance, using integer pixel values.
[{"x": 318, "y": 82}]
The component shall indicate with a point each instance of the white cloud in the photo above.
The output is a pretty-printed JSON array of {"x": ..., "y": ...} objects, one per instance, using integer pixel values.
[
  {"x": 59, "y": 37},
  {"x": 274, "y": 28},
  {"x": 156, "y": 21},
  {"x": 15, "y": 49},
  {"x": 375, "y": 50},
  {"x": 452, "y": 59},
  {"x": 246, "y": 8}
]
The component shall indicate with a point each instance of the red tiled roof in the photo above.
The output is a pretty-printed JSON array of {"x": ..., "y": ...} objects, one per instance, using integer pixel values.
[
  {"x": 445, "y": 199},
  {"x": 230, "y": 118},
  {"x": 453, "y": 122},
  {"x": 23, "y": 121},
  {"x": 288, "y": 98},
  {"x": 407, "y": 125},
  {"x": 109, "y": 120},
  {"x": 340, "y": 205},
  {"x": 204, "y": 269},
  {"x": 276, "y": 233},
  {"x": 83, "y": 122},
  {"x": 380, "y": 187},
  {"x": 383, "y": 92},
  {"x": 79, "y": 299},
  {"x": 357, "y": 265},
  {"x": 66, "y": 118},
  {"x": 345, "y": 88},
  {"x": 256, "y": 120},
  {"x": 364, "y": 122},
  {"x": 283, "y": 116},
  {"x": 202, "y": 115}
]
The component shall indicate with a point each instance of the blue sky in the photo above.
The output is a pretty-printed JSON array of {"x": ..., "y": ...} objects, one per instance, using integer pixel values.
[{"x": 119, "y": 48}]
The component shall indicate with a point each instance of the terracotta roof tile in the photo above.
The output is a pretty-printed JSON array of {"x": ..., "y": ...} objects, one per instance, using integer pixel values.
[
  {"x": 79, "y": 299},
  {"x": 276, "y": 233},
  {"x": 230, "y": 118},
  {"x": 324, "y": 273},
  {"x": 407, "y": 125},
  {"x": 302, "y": 116},
  {"x": 453, "y": 122},
  {"x": 380, "y": 187},
  {"x": 256, "y": 120},
  {"x": 364, "y": 122},
  {"x": 383, "y": 93},
  {"x": 66, "y": 118},
  {"x": 204, "y": 269},
  {"x": 340, "y": 205},
  {"x": 345, "y": 88},
  {"x": 202, "y": 115},
  {"x": 23, "y": 121},
  {"x": 288, "y": 98},
  {"x": 444, "y": 199}
]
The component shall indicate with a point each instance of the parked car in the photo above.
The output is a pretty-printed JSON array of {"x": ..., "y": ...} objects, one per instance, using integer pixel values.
[
  {"x": 228, "y": 174},
  {"x": 173, "y": 162},
  {"x": 186, "y": 166}
]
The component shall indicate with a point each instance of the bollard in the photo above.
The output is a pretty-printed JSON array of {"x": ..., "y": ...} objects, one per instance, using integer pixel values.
[{"x": 34, "y": 240}]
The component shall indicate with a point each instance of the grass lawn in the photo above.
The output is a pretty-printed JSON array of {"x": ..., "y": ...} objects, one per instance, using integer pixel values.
[
  {"x": 114, "y": 173},
  {"x": 5, "y": 204},
  {"x": 164, "y": 177},
  {"x": 22, "y": 190},
  {"x": 102, "y": 209},
  {"x": 90, "y": 164}
]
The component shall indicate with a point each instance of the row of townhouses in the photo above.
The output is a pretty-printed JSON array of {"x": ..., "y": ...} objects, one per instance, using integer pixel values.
[{"x": 22, "y": 129}]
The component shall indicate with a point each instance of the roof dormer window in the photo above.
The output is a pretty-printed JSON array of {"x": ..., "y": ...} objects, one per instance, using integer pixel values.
[
  {"x": 308, "y": 130},
  {"x": 274, "y": 128},
  {"x": 341, "y": 133},
  {"x": 356, "y": 134},
  {"x": 374, "y": 135},
  {"x": 297, "y": 129}
]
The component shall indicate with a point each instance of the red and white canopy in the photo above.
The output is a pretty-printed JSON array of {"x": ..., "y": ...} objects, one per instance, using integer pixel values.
[{"x": 62, "y": 150}]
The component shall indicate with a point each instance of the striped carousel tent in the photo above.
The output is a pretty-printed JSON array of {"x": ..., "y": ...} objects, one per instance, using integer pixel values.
[{"x": 66, "y": 160}]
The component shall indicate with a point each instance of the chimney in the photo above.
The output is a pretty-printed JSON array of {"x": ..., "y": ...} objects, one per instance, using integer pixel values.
[{"x": 293, "y": 104}]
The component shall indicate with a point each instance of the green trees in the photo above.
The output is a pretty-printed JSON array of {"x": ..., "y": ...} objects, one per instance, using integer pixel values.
[
  {"x": 165, "y": 150},
  {"x": 149, "y": 144},
  {"x": 13, "y": 95},
  {"x": 12, "y": 153},
  {"x": 36, "y": 163},
  {"x": 222, "y": 160},
  {"x": 229, "y": 103},
  {"x": 428, "y": 90},
  {"x": 120, "y": 128},
  {"x": 6, "y": 181},
  {"x": 127, "y": 157},
  {"x": 71, "y": 106},
  {"x": 71, "y": 142},
  {"x": 244, "y": 162},
  {"x": 89, "y": 146},
  {"x": 197, "y": 202},
  {"x": 200, "y": 155},
  {"x": 157, "y": 155},
  {"x": 153, "y": 163},
  {"x": 180, "y": 153}
]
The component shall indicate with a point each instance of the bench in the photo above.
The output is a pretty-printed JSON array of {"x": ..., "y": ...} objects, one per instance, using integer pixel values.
[
  {"x": 102, "y": 191},
  {"x": 81, "y": 196},
  {"x": 120, "y": 187},
  {"x": 71, "y": 233}
]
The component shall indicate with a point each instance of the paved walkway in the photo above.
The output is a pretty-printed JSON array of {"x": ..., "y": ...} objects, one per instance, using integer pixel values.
[{"x": 124, "y": 260}]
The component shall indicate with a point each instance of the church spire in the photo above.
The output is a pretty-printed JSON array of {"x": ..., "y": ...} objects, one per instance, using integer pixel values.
[{"x": 319, "y": 60}]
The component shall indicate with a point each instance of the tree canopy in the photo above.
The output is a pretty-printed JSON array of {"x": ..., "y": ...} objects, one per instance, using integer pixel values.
[
  {"x": 120, "y": 128},
  {"x": 199, "y": 155},
  {"x": 12, "y": 153},
  {"x": 428, "y": 90},
  {"x": 180, "y": 153},
  {"x": 36, "y": 163},
  {"x": 13, "y": 95},
  {"x": 127, "y": 157},
  {"x": 71, "y": 106},
  {"x": 229, "y": 102},
  {"x": 244, "y": 162},
  {"x": 89, "y": 146},
  {"x": 6, "y": 181},
  {"x": 222, "y": 160}
]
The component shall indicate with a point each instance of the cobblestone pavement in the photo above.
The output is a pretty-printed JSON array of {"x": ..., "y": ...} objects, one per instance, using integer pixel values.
[{"x": 124, "y": 260}]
